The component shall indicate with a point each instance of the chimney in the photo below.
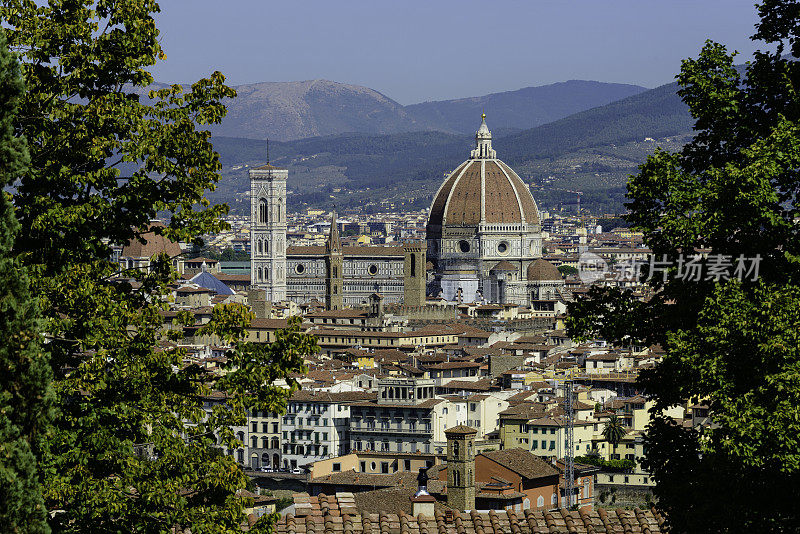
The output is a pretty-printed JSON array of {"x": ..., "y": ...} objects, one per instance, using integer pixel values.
[{"x": 422, "y": 501}]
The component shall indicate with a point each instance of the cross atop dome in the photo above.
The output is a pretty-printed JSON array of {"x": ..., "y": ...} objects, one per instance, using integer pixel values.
[{"x": 483, "y": 142}]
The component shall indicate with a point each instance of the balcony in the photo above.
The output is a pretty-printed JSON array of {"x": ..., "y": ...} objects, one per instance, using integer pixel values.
[{"x": 398, "y": 431}]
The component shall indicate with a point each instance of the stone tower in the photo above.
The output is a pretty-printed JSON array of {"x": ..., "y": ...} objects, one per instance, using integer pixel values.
[
  {"x": 268, "y": 231},
  {"x": 334, "y": 267},
  {"x": 414, "y": 274},
  {"x": 461, "y": 467}
]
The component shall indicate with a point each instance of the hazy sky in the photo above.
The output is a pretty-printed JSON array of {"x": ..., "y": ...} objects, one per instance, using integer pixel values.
[{"x": 414, "y": 51}]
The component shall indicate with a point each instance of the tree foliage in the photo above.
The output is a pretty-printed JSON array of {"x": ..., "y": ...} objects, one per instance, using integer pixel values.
[
  {"x": 613, "y": 431},
  {"x": 567, "y": 270},
  {"x": 133, "y": 448},
  {"x": 732, "y": 344},
  {"x": 25, "y": 392}
]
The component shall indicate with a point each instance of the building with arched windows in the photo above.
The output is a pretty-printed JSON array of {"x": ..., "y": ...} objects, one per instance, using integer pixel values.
[
  {"x": 338, "y": 275},
  {"x": 268, "y": 230},
  {"x": 483, "y": 239},
  {"x": 484, "y": 235}
]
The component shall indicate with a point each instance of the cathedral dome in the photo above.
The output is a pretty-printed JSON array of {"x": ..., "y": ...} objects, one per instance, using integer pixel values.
[
  {"x": 542, "y": 270},
  {"x": 483, "y": 189}
]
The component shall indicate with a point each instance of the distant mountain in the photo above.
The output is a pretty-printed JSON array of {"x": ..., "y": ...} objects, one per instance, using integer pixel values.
[
  {"x": 656, "y": 113},
  {"x": 294, "y": 110},
  {"x": 593, "y": 151},
  {"x": 285, "y": 111},
  {"x": 524, "y": 108}
]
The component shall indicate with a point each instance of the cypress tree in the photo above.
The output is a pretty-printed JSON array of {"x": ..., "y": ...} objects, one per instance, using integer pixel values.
[{"x": 25, "y": 395}]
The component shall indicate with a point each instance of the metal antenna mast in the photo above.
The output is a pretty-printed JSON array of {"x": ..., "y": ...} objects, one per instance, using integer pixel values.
[
  {"x": 569, "y": 457},
  {"x": 267, "y": 151}
]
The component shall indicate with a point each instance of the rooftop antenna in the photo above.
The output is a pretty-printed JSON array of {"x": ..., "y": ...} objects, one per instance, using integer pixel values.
[{"x": 267, "y": 151}]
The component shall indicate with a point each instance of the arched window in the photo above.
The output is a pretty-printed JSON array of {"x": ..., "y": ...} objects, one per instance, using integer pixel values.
[
  {"x": 254, "y": 440},
  {"x": 280, "y": 209},
  {"x": 262, "y": 210},
  {"x": 260, "y": 246},
  {"x": 455, "y": 448},
  {"x": 275, "y": 443},
  {"x": 266, "y": 247},
  {"x": 413, "y": 265},
  {"x": 540, "y": 502},
  {"x": 264, "y": 444},
  {"x": 260, "y": 274}
]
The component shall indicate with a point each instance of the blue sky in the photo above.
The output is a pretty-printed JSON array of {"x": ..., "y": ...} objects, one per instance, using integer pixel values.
[{"x": 414, "y": 51}]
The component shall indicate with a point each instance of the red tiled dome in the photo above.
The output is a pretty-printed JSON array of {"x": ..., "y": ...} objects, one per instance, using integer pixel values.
[{"x": 483, "y": 189}]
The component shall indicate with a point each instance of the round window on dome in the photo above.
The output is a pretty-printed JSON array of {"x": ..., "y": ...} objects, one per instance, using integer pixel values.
[
  {"x": 372, "y": 269},
  {"x": 502, "y": 247},
  {"x": 463, "y": 246},
  {"x": 299, "y": 268}
]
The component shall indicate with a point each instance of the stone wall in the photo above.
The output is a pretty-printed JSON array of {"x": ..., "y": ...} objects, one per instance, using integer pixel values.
[{"x": 623, "y": 496}]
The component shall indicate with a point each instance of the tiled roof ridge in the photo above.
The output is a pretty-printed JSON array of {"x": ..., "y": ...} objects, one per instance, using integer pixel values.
[{"x": 342, "y": 518}]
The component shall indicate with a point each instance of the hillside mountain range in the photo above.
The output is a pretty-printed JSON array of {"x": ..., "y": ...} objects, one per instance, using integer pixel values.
[
  {"x": 524, "y": 108},
  {"x": 285, "y": 111},
  {"x": 593, "y": 151}
]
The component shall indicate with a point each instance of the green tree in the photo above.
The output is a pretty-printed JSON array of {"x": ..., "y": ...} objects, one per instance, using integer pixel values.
[
  {"x": 613, "y": 431},
  {"x": 567, "y": 270},
  {"x": 734, "y": 344},
  {"x": 132, "y": 449},
  {"x": 25, "y": 393}
]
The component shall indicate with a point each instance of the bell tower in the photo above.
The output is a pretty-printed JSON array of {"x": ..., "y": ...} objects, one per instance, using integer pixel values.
[
  {"x": 268, "y": 231},
  {"x": 334, "y": 266},
  {"x": 414, "y": 275},
  {"x": 461, "y": 467}
]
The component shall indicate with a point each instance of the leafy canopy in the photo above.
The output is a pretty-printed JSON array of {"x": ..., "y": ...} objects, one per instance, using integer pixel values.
[
  {"x": 730, "y": 344},
  {"x": 136, "y": 443},
  {"x": 613, "y": 431}
]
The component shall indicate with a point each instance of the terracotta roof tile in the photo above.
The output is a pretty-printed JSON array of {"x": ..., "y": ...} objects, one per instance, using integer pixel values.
[
  {"x": 522, "y": 462},
  {"x": 448, "y": 521},
  {"x": 153, "y": 244}
]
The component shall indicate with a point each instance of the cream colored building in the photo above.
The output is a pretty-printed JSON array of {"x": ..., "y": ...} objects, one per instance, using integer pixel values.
[{"x": 480, "y": 412}]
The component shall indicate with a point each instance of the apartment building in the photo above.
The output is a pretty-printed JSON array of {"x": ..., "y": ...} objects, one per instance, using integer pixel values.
[
  {"x": 481, "y": 412},
  {"x": 316, "y": 426},
  {"x": 264, "y": 440},
  {"x": 403, "y": 418},
  {"x": 547, "y": 436}
]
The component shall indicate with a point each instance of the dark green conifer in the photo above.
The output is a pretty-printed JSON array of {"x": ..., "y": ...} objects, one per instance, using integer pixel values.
[{"x": 25, "y": 395}]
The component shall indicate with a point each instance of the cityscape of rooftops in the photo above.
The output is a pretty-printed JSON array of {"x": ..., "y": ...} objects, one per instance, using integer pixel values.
[{"x": 377, "y": 268}]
